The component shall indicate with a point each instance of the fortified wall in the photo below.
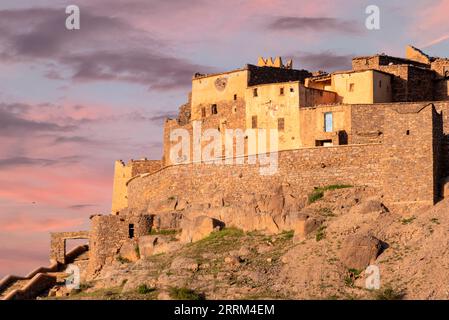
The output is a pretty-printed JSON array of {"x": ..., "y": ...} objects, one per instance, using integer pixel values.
[{"x": 391, "y": 154}]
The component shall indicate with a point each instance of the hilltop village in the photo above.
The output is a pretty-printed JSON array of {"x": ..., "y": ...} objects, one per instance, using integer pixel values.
[{"x": 382, "y": 126}]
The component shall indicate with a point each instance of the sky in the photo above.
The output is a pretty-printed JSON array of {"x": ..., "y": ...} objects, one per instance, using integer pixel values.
[{"x": 74, "y": 101}]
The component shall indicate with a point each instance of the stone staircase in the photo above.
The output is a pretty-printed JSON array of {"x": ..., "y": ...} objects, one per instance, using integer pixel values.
[{"x": 39, "y": 280}]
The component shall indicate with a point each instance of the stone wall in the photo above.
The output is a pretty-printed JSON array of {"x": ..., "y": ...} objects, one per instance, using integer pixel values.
[
  {"x": 407, "y": 135},
  {"x": 262, "y": 75},
  {"x": 303, "y": 169},
  {"x": 230, "y": 114},
  {"x": 122, "y": 173},
  {"x": 58, "y": 244},
  {"x": 408, "y": 162},
  {"x": 441, "y": 67},
  {"x": 108, "y": 234},
  {"x": 374, "y": 62},
  {"x": 412, "y": 81}
]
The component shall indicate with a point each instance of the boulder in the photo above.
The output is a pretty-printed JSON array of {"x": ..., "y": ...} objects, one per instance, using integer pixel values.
[
  {"x": 303, "y": 225},
  {"x": 184, "y": 263},
  {"x": 155, "y": 244},
  {"x": 360, "y": 250},
  {"x": 369, "y": 205},
  {"x": 232, "y": 260},
  {"x": 130, "y": 251},
  {"x": 182, "y": 205},
  {"x": 169, "y": 220},
  {"x": 199, "y": 228}
]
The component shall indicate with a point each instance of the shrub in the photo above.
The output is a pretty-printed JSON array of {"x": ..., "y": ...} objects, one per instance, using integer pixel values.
[
  {"x": 351, "y": 276},
  {"x": 185, "y": 294},
  {"x": 287, "y": 235},
  {"x": 321, "y": 233},
  {"x": 388, "y": 294},
  {"x": 144, "y": 289},
  {"x": 166, "y": 232},
  {"x": 123, "y": 260},
  {"x": 318, "y": 192},
  {"x": 315, "y": 195},
  {"x": 408, "y": 220}
]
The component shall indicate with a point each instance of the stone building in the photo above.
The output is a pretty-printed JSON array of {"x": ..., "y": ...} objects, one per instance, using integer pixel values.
[{"x": 382, "y": 124}]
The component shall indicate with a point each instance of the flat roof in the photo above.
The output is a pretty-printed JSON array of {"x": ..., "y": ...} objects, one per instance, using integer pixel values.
[
  {"x": 202, "y": 76},
  {"x": 362, "y": 70}
]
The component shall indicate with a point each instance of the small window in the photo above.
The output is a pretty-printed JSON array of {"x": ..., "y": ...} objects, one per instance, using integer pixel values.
[
  {"x": 328, "y": 122},
  {"x": 235, "y": 97},
  {"x": 281, "y": 124},
  {"x": 380, "y": 83},
  {"x": 321, "y": 93},
  {"x": 351, "y": 87},
  {"x": 131, "y": 230},
  {"x": 281, "y": 91},
  {"x": 323, "y": 143},
  {"x": 255, "y": 92},
  {"x": 254, "y": 122},
  {"x": 213, "y": 109},
  {"x": 407, "y": 132},
  {"x": 292, "y": 90}
]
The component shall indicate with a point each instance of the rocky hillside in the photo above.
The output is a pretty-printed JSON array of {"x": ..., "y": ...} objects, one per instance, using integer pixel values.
[{"x": 344, "y": 231}]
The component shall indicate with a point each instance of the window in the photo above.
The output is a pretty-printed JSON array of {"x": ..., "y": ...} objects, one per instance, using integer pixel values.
[
  {"x": 255, "y": 92},
  {"x": 292, "y": 90},
  {"x": 351, "y": 87},
  {"x": 254, "y": 122},
  {"x": 131, "y": 230},
  {"x": 235, "y": 97},
  {"x": 323, "y": 143},
  {"x": 213, "y": 109},
  {"x": 328, "y": 122},
  {"x": 380, "y": 83},
  {"x": 281, "y": 124},
  {"x": 281, "y": 91},
  {"x": 203, "y": 112}
]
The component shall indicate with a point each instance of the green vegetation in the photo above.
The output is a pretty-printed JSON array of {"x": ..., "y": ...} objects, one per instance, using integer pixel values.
[
  {"x": 351, "y": 276},
  {"x": 144, "y": 289},
  {"x": 123, "y": 260},
  {"x": 388, "y": 294},
  {"x": 166, "y": 232},
  {"x": 321, "y": 233},
  {"x": 100, "y": 294},
  {"x": 435, "y": 220},
  {"x": 185, "y": 294},
  {"x": 408, "y": 220},
  {"x": 326, "y": 212},
  {"x": 318, "y": 192},
  {"x": 287, "y": 235}
]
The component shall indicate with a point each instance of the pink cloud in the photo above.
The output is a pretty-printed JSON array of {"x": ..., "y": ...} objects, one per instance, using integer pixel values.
[{"x": 29, "y": 223}]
